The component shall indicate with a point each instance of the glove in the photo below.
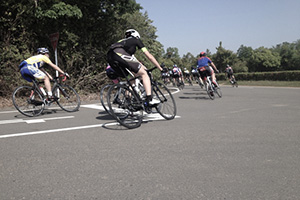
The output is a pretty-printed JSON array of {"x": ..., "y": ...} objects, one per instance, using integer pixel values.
[{"x": 217, "y": 71}]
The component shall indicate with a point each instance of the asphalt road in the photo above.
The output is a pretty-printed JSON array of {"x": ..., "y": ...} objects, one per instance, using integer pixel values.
[{"x": 245, "y": 145}]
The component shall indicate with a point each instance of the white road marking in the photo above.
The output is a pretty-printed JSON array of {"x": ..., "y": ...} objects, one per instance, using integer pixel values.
[
  {"x": 151, "y": 117},
  {"x": 93, "y": 106},
  {"x": 31, "y": 121}
]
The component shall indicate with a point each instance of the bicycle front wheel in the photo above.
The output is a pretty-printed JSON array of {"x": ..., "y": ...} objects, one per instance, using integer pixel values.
[
  {"x": 28, "y": 101},
  {"x": 68, "y": 99},
  {"x": 124, "y": 106},
  {"x": 218, "y": 91},
  {"x": 167, "y": 108},
  {"x": 103, "y": 97}
]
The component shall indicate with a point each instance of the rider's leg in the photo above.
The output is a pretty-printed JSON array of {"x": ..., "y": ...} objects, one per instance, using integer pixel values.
[
  {"x": 48, "y": 85},
  {"x": 147, "y": 85}
]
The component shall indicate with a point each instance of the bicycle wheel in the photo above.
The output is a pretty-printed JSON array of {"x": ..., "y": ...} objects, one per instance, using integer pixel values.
[
  {"x": 28, "y": 101},
  {"x": 68, "y": 99},
  {"x": 167, "y": 108},
  {"x": 124, "y": 106},
  {"x": 210, "y": 92},
  {"x": 103, "y": 97},
  {"x": 218, "y": 91}
]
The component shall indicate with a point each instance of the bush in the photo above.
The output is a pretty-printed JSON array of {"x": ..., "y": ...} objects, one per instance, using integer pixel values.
[{"x": 270, "y": 76}]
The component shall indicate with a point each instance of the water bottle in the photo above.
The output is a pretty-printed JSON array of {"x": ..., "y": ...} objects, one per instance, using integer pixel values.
[
  {"x": 136, "y": 86},
  {"x": 43, "y": 91}
]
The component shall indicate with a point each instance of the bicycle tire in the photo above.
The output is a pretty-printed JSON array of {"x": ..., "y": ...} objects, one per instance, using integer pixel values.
[
  {"x": 103, "y": 97},
  {"x": 210, "y": 91},
  {"x": 124, "y": 106},
  {"x": 68, "y": 98},
  {"x": 167, "y": 108},
  {"x": 218, "y": 91},
  {"x": 28, "y": 101}
]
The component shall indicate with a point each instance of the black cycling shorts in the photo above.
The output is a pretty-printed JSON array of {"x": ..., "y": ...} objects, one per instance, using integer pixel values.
[
  {"x": 122, "y": 61},
  {"x": 204, "y": 72}
]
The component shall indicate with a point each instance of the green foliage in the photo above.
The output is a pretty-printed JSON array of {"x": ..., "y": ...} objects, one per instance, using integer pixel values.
[
  {"x": 86, "y": 30},
  {"x": 272, "y": 76}
]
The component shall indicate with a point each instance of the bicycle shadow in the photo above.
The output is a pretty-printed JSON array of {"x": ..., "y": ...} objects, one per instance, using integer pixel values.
[
  {"x": 154, "y": 116},
  {"x": 46, "y": 112},
  {"x": 196, "y": 94}
]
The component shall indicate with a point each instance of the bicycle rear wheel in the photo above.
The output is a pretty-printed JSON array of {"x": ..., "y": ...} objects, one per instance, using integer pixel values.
[
  {"x": 68, "y": 99},
  {"x": 167, "y": 108},
  {"x": 28, "y": 101},
  {"x": 103, "y": 97},
  {"x": 124, "y": 106},
  {"x": 210, "y": 91}
]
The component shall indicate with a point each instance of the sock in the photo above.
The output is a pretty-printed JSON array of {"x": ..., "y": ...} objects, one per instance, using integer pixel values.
[
  {"x": 148, "y": 98},
  {"x": 49, "y": 94}
]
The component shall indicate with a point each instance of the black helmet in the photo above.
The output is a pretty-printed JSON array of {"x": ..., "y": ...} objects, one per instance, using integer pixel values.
[{"x": 42, "y": 50}]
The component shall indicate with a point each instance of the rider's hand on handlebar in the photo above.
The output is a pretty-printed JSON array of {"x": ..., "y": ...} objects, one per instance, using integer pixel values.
[
  {"x": 67, "y": 75},
  {"x": 217, "y": 71}
]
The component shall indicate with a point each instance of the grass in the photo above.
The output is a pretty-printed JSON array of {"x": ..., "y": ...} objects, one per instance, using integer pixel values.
[{"x": 266, "y": 83}]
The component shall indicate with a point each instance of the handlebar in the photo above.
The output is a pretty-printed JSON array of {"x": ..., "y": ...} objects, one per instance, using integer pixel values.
[{"x": 61, "y": 75}]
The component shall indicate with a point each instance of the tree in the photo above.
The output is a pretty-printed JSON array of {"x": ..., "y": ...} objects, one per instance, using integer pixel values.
[
  {"x": 188, "y": 60},
  {"x": 224, "y": 57},
  {"x": 264, "y": 59}
]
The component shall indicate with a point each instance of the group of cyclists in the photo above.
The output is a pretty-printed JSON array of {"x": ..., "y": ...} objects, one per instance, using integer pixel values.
[{"x": 120, "y": 56}]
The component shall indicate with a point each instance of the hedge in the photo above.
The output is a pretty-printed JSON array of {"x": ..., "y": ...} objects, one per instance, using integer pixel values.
[{"x": 270, "y": 76}]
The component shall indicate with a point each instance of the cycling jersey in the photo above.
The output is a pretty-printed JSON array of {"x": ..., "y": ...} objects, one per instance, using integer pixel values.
[
  {"x": 129, "y": 45},
  {"x": 121, "y": 54},
  {"x": 176, "y": 71},
  {"x": 36, "y": 61},
  {"x": 203, "y": 61},
  {"x": 30, "y": 68}
]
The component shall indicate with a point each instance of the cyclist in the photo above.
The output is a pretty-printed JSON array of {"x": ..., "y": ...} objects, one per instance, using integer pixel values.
[
  {"x": 31, "y": 69},
  {"x": 121, "y": 56},
  {"x": 177, "y": 73},
  {"x": 187, "y": 75},
  {"x": 165, "y": 75},
  {"x": 204, "y": 68},
  {"x": 229, "y": 72},
  {"x": 196, "y": 76}
]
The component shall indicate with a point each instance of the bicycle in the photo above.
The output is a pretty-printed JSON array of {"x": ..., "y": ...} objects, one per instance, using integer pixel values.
[
  {"x": 212, "y": 88},
  {"x": 179, "y": 82},
  {"x": 126, "y": 101},
  {"x": 233, "y": 82},
  {"x": 31, "y": 100},
  {"x": 103, "y": 97}
]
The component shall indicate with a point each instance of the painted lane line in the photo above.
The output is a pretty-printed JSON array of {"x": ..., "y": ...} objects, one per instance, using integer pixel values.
[
  {"x": 31, "y": 121},
  {"x": 93, "y": 106},
  {"x": 11, "y": 121},
  {"x": 152, "y": 118},
  {"x": 50, "y": 131}
]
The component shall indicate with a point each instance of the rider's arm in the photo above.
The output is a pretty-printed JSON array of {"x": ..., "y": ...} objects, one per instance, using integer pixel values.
[
  {"x": 55, "y": 67},
  {"x": 214, "y": 66},
  {"x": 152, "y": 59}
]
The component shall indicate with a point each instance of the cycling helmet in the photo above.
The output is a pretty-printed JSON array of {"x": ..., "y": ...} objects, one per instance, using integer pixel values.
[
  {"x": 132, "y": 32},
  {"x": 202, "y": 54},
  {"x": 42, "y": 50},
  {"x": 175, "y": 65},
  {"x": 111, "y": 73}
]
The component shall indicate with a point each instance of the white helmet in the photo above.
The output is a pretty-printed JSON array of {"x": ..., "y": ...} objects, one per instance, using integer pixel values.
[{"x": 132, "y": 32}]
